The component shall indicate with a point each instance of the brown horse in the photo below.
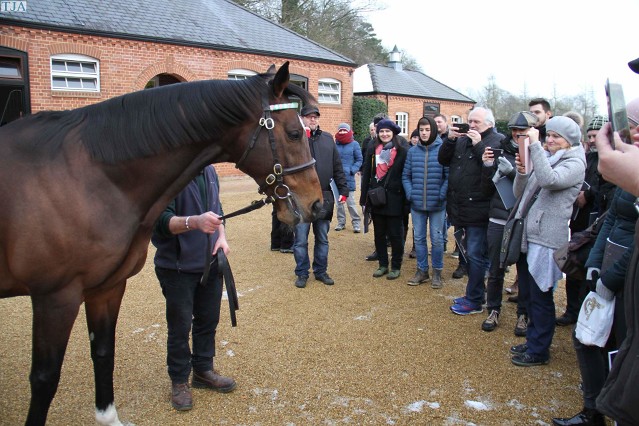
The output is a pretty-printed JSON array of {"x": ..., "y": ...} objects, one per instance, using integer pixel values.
[{"x": 80, "y": 191}]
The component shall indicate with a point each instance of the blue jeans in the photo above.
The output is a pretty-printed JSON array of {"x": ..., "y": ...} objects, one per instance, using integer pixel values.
[
  {"x": 421, "y": 220},
  {"x": 477, "y": 251},
  {"x": 191, "y": 309},
  {"x": 320, "y": 251}
]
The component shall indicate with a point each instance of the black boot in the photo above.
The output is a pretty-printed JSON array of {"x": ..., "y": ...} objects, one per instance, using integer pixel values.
[{"x": 586, "y": 417}]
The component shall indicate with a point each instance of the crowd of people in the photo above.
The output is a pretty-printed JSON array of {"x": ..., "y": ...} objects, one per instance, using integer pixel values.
[{"x": 545, "y": 171}]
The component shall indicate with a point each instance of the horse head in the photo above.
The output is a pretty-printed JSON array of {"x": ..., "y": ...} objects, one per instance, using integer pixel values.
[{"x": 278, "y": 156}]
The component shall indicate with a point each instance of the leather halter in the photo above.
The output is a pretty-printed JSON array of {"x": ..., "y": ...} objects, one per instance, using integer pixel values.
[{"x": 281, "y": 190}]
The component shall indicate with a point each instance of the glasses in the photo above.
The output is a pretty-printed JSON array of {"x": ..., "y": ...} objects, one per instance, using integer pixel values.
[{"x": 312, "y": 117}]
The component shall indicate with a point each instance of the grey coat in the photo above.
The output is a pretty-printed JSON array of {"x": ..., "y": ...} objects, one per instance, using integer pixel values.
[{"x": 548, "y": 218}]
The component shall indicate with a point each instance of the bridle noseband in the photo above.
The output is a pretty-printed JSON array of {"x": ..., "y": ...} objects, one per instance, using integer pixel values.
[{"x": 276, "y": 179}]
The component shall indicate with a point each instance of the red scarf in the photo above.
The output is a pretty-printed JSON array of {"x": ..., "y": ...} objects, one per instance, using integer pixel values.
[
  {"x": 381, "y": 167},
  {"x": 344, "y": 138}
]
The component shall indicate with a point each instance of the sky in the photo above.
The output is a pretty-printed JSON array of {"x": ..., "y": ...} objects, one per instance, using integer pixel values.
[{"x": 545, "y": 47}]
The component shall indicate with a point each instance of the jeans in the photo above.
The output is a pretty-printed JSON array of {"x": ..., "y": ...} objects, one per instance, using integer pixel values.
[
  {"x": 391, "y": 227},
  {"x": 540, "y": 306},
  {"x": 194, "y": 309},
  {"x": 477, "y": 252},
  {"x": 352, "y": 210},
  {"x": 320, "y": 250},
  {"x": 421, "y": 220},
  {"x": 495, "y": 283}
]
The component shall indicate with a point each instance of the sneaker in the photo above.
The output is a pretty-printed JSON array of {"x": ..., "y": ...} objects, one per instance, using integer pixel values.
[
  {"x": 300, "y": 282},
  {"x": 460, "y": 272},
  {"x": 357, "y": 231},
  {"x": 382, "y": 270},
  {"x": 324, "y": 278},
  {"x": 519, "y": 349},
  {"x": 466, "y": 308},
  {"x": 521, "y": 327},
  {"x": 286, "y": 250},
  {"x": 513, "y": 299},
  {"x": 513, "y": 289},
  {"x": 419, "y": 278},
  {"x": 275, "y": 249},
  {"x": 459, "y": 300},
  {"x": 565, "y": 319},
  {"x": 528, "y": 360},
  {"x": 491, "y": 322},
  {"x": 339, "y": 227},
  {"x": 372, "y": 257},
  {"x": 455, "y": 254},
  {"x": 393, "y": 274}
]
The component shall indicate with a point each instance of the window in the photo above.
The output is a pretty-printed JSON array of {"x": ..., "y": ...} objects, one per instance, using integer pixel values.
[
  {"x": 455, "y": 119},
  {"x": 10, "y": 68},
  {"x": 329, "y": 91},
  {"x": 299, "y": 80},
  {"x": 240, "y": 74},
  {"x": 75, "y": 72},
  {"x": 401, "y": 118}
]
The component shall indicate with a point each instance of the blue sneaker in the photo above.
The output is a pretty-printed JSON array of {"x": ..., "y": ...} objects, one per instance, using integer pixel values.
[
  {"x": 466, "y": 308},
  {"x": 459, "y": 300}
]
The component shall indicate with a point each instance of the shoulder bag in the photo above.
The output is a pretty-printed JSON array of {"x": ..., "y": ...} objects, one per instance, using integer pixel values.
[{"x": 514, "y": 232}]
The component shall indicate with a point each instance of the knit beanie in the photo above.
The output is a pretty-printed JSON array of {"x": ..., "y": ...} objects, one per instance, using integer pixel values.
[
  {"x": 344, "y": 126},
  {"x": 415, "y": 133},
  {"x": 596, "y": 123},
  {"x": 390, "y": 125},
  {"x": 566, "y": 127}
]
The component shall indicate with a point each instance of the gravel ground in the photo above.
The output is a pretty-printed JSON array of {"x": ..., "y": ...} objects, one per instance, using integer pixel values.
[{"x": 364, "y": 351}]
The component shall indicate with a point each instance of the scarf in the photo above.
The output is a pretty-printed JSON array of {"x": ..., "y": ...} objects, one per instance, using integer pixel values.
[
  {"x": 384, "y": 159},
  {"x": 344, "y": 138}
]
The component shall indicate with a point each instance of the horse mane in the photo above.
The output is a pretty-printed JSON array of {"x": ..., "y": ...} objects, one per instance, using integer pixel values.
[{"x": 148, "y": 122}]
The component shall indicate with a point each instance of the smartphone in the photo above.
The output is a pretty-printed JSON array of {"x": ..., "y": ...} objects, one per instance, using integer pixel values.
[
  {"x": 497, "y": 152},
  {"x": 463, "y": 127},
  {"x": 617, "y": 112}
]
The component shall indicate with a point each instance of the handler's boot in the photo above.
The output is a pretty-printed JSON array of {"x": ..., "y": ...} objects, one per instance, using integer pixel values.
[
  {"x": 212, "y": 380},
  {"x": 437, "y": 279},
  {"x": 181, "y": 398}
]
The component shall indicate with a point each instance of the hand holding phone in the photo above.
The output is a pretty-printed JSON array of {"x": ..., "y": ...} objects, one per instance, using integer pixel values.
[{"x": 497, "y": 152}]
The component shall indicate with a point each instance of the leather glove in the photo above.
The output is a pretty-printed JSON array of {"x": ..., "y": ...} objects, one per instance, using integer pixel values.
[
  {"x": 591, "y": 278},
  {"x": 504, "y": 166},
  {"x": 604, "y": 291}
]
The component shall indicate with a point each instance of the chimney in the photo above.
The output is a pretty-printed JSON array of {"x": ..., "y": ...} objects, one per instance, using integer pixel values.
[{"x": 395, "y": 59}]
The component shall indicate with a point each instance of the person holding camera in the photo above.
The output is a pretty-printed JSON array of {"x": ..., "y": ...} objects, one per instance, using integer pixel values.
[
  {"x": 466, "y": 204},
  {"x": 499, "y": 164}
]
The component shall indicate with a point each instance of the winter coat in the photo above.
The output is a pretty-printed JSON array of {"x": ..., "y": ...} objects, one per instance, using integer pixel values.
[
  {"x": 425, "y": 180},
  {"x": 547, "y": 221},
  {"x": 618, "y": 398},
  {"x": 465, "y": 203},
  {"x": 497, "y": 209},
  {"x": 328, "y": 166},
  {"x": 351, "y": 156},
  {"x": 395, "y": 195}
]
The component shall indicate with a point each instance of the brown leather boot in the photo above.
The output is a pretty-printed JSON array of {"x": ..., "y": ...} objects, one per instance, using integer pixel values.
[
  {"x": 181, "y": 398},
  {"x": 211, "y": 380}
]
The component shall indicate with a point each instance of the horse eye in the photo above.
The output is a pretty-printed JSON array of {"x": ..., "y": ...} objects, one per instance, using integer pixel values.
[{"x": 295, "y": 135}]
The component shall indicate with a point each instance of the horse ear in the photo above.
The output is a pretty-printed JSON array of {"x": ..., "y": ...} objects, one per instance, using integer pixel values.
[
  {"x": 271, "y": 69},
  {"x": 280, "y": 82}
]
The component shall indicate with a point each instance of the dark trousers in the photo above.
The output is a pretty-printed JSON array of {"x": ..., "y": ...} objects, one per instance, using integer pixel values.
[
  {"x": 462, "y": 260},
  {"x": 282, "y": 235},
  {"x": 495, "y": 282},
  {"x": 393, "y": 228},
  {"x": 194, "y": 309},
  {"x": 541, "y": 311},
  {"x": 576, "y": 291}
]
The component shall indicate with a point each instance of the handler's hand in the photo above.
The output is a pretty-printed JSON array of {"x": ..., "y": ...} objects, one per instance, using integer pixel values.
[{"x": 207, "y": 222}]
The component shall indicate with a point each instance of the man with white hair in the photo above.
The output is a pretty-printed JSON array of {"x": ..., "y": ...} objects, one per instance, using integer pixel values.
[{"x": 466, "y": 204}]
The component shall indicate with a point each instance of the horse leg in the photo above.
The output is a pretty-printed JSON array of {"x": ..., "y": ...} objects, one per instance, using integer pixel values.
[
  {"x": 53, "y": 318},
  {"x": 102, "y": 311}
]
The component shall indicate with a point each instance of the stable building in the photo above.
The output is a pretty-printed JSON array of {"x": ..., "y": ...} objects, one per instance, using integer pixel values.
[{"x": 57, "y": 55}]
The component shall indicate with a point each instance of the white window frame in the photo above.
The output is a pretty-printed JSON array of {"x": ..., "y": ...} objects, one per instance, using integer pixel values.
[
  {"x": 240, "y": 74},
  {"x": 80, "y": 74},
  {"x": 455, "y": 119},
  {"x": 401, "y": 118},
  {"x": 329, "y": 91}
]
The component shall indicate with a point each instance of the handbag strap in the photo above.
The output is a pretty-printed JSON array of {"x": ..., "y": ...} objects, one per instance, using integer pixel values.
[{"x": 527, "y": 205}]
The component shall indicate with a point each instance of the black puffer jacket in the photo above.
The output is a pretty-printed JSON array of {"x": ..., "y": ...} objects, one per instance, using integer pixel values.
[
  {"x": 497, "y": 209},
  {"x": 466, "y": 204}
]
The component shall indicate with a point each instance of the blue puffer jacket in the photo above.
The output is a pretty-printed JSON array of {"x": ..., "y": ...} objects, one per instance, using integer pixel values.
[
  {"x": 351, "y": 155},
  {"x": 425, "y": 193}
]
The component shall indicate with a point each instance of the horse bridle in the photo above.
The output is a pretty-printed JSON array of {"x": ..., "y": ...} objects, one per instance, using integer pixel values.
[{"x": 281, "y": 190}]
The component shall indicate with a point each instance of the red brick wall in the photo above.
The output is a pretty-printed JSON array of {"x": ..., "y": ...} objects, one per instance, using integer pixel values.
[
  {"x": 415, "y": 108},
  {"x": 127, "y": 65}
]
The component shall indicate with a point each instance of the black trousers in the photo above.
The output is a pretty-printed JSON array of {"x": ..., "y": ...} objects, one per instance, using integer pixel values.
[
  {"x": 194, "y": 309},
  {"x": 393, "y": 228}
]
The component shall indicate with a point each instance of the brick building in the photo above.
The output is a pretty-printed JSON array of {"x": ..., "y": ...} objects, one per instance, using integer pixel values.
[
  {"x": 57, "y": 54},
  {"x": 409, "y": 95}
]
